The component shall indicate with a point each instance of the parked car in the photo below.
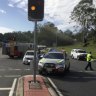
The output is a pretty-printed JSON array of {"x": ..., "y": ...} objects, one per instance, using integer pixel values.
[
  {"x": 78, "y": 54},
  {"x": 54, "y": 62},
  {"x": 28, "y": 57}
]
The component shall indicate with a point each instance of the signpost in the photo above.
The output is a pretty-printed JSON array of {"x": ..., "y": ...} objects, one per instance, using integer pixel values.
[{"x": 35, "y": 13}]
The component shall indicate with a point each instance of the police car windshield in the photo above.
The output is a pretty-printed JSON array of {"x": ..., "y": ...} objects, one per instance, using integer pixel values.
[
  {"x": 54, "y": 56},
  {"x": 81, "y": 51},
  {"x": 30, "y": 53}
]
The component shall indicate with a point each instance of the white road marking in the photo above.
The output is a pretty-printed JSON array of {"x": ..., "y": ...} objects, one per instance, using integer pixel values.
[
  {"x": 10, "y": 69},
  {"x": 77, "y": 77},
  {"x": 2, "y": 69},
  {"x": 11, "y": 76},
  {"x": 87, "y": 71},
  {"x": 14, "y": 69},
  {"x": 54, "y": 86},
  {"x": 1, "y": 89},
  {"x": 13, "y": 87},
  {"x": 27, "y": 69}
]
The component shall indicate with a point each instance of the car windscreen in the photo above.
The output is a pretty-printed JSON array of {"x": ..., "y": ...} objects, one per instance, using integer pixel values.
[
  {"x": 54, "y": 56},
  {"x": 81, "y": 51},
  {"x": 30, "y": 53}
]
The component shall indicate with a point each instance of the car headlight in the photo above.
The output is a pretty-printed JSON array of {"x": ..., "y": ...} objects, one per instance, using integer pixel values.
[
  {"x": 41, "y": 64},
  {"x": 60, "y": 64},
  {"x": 24, "y": 59}
]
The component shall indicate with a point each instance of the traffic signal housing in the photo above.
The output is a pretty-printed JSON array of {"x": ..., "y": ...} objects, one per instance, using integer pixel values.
[{"x": 35, "y": 10}]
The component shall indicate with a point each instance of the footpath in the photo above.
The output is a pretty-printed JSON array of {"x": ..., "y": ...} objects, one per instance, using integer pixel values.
[{"x": 42, "y": 87}]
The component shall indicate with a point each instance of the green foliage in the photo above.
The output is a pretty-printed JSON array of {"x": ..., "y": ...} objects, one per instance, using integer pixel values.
[
  {"x": 84, "y": 14},
  {"x": 47, "y": 34},
  {"x": 90, "y": 48},
  {"x": 50, "y": 35},
  {"x": 1, "y": 37}
]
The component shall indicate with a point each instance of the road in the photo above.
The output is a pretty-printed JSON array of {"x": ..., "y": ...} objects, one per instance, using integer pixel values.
[
  {"x": 10, "y": 71},
  {"x": 77, "y": 82}
]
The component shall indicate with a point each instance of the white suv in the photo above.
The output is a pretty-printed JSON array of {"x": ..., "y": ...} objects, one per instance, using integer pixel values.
[
  {"x": 29, "y": 56},
  {"x": 78, "y": 54},
  {"x": 54, "y": 62}
]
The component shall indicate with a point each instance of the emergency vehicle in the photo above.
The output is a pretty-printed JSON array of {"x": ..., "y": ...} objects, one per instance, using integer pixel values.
[{"x": 13, "y": 48}]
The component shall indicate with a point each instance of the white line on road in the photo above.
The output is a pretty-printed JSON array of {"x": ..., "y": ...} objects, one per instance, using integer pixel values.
[
  {"x": 54, "y": 86},
  {"x": 7, "y": 76},
  {"x": 89, "y": 71},
  {"x": 11, "y": 75},
  {"x": 2, "y": 69},
  {"x": 10, "y": 69},
  {"x": 27, "y": 69},
  {"x": 77, "y": 77},
  {"x": 14, "y": 69},
  {"x": 13, "y": 87},
  {"x": 5, "y": 89}
]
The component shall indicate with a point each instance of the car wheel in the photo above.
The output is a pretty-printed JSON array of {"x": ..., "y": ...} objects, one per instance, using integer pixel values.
[
  {"x": 40, "y": 71},
  {"x": 72, "y": 57},
  {"x": 78, "y": 58},
  {"x": 43, "y": 72},
  {"x": 68, "y": 69}
]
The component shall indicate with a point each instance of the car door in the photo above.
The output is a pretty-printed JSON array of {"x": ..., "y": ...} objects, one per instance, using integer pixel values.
[
  {"x": 72, "y": 53},
  {"x": 75, "y": 53}
]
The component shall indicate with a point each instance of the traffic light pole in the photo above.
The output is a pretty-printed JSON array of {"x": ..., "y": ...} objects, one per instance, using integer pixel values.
[
  {"x": 35, "y": 50},
  {"x": 35, "y": 13}
]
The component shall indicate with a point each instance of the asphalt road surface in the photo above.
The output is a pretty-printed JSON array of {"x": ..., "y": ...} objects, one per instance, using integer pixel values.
[
  {"x": 77, "y": 82},
  {"x": 10, "y": 71}
]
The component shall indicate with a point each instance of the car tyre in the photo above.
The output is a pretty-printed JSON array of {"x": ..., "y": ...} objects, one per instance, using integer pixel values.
[
  {"x": 72, "y": 57},
  {"x": 43, "y": 72},
  {"x": 78, "y": 58},
  {"x": 68, "y": 69}
]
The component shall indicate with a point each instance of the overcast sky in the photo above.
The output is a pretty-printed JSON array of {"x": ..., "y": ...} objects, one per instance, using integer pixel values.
[{"x": 13, "y": 14}]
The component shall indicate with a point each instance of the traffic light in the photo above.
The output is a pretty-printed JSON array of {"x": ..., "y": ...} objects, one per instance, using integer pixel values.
[{"x": 35, "y": 10}]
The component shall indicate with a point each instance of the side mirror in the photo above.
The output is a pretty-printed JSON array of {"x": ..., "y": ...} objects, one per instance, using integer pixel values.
[{"x": 41, "y": 56}]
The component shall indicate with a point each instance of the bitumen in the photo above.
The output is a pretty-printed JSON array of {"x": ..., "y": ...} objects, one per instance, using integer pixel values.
[{"x": 42, "y": 86}]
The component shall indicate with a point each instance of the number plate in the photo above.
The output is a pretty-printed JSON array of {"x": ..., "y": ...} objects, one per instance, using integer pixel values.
[
  {"x": 61, "y": 70},
  {"x": 49, "y": 69}
]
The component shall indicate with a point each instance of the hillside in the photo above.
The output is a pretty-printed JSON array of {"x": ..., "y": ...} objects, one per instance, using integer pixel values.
[{"x": 91, "y": 47}]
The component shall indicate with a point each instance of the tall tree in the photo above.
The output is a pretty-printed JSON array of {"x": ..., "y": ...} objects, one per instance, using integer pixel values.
[{"x": 84, "y": 13}]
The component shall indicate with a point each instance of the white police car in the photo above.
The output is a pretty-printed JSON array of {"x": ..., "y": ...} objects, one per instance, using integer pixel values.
[{"x": 54, "y": 62}]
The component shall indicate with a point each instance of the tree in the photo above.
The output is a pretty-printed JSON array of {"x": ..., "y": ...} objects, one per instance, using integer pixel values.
[
  {"x": 1, "y": 37},
  {"x": 84, "y": 13}
]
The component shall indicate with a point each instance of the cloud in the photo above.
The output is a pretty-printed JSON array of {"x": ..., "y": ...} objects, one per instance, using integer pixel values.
[
  {"x": 94, "y": 2},
  {"x": 5, "y": 30},
  {"x": 2, "y": 11},
  {"x": 10, "y": 5},
  {"x": 56, "y": 11},
  {"x": 22, "y": 4},
  {"x": 60, "y": 11}
]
